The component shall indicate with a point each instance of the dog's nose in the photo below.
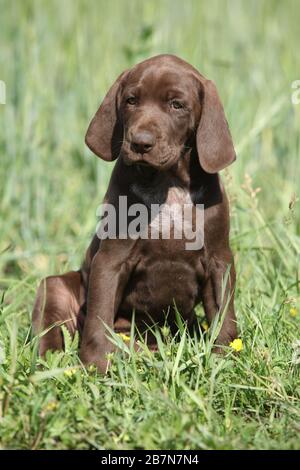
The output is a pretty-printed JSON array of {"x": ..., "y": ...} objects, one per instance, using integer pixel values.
[{"x": 142, "y": 142}]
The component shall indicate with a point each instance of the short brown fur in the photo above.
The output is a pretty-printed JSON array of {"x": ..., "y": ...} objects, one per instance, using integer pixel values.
[{"x": 166, "y": 125}]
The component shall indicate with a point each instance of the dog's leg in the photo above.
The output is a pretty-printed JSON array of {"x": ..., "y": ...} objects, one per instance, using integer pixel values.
[
  {"x": 218, "y": 296},
  {"x": 59, "y": 300},
  {"x": 109, "y": 274}
]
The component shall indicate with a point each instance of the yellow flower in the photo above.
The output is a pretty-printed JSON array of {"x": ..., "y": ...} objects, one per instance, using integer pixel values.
[
  {"x": 51, "y": 406},
  {"x": 124, "y": 337},
  {"x": 70, "y": 372},
  {"x": 293, "y": 311},
  {"x": 236, "y": 344},
  {"x": 204, "y": 325}
]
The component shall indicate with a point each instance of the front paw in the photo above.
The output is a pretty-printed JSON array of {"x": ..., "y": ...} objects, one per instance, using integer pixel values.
[
  {"x": 224, "y": 339},
  {"x": 89, "y": 359}
]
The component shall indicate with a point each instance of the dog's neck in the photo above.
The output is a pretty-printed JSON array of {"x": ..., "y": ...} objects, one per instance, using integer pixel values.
[{"x": 185, "y": 179}]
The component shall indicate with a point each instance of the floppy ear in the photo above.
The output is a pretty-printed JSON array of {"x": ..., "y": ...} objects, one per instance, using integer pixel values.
[
  {"x": 214, "y": 142},
  {"x": 105, "y": 132}
]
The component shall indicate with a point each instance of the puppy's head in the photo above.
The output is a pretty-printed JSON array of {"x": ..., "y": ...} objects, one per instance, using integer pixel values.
[{"x": 156, "y": 111}]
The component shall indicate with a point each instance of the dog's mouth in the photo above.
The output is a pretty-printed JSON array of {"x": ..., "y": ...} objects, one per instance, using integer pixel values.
[{"x": 146, "y": 165}]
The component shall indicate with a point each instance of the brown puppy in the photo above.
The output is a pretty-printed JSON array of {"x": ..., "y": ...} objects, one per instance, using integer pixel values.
[{"x": 166, "y": 125}]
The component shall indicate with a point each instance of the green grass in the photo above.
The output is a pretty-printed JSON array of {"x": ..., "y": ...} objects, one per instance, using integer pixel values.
[{"x": 58, "y": 59}]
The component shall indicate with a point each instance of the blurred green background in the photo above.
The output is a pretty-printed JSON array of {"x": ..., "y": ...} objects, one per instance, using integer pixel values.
[{"x": 58, "y": 58}]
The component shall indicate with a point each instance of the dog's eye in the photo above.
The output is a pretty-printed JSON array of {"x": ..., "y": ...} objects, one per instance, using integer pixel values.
[
  {"x": 175, "y": 104},
  {"x": 131, "y": 100}
]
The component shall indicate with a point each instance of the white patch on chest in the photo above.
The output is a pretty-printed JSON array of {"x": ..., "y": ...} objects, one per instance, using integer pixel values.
[{"x": 173, "y": 211}]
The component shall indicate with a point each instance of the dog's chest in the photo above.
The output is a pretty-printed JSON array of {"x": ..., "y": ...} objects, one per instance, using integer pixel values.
[
  {"x": 173, "y": 210},
  {"x": 167, "y": 271}
]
